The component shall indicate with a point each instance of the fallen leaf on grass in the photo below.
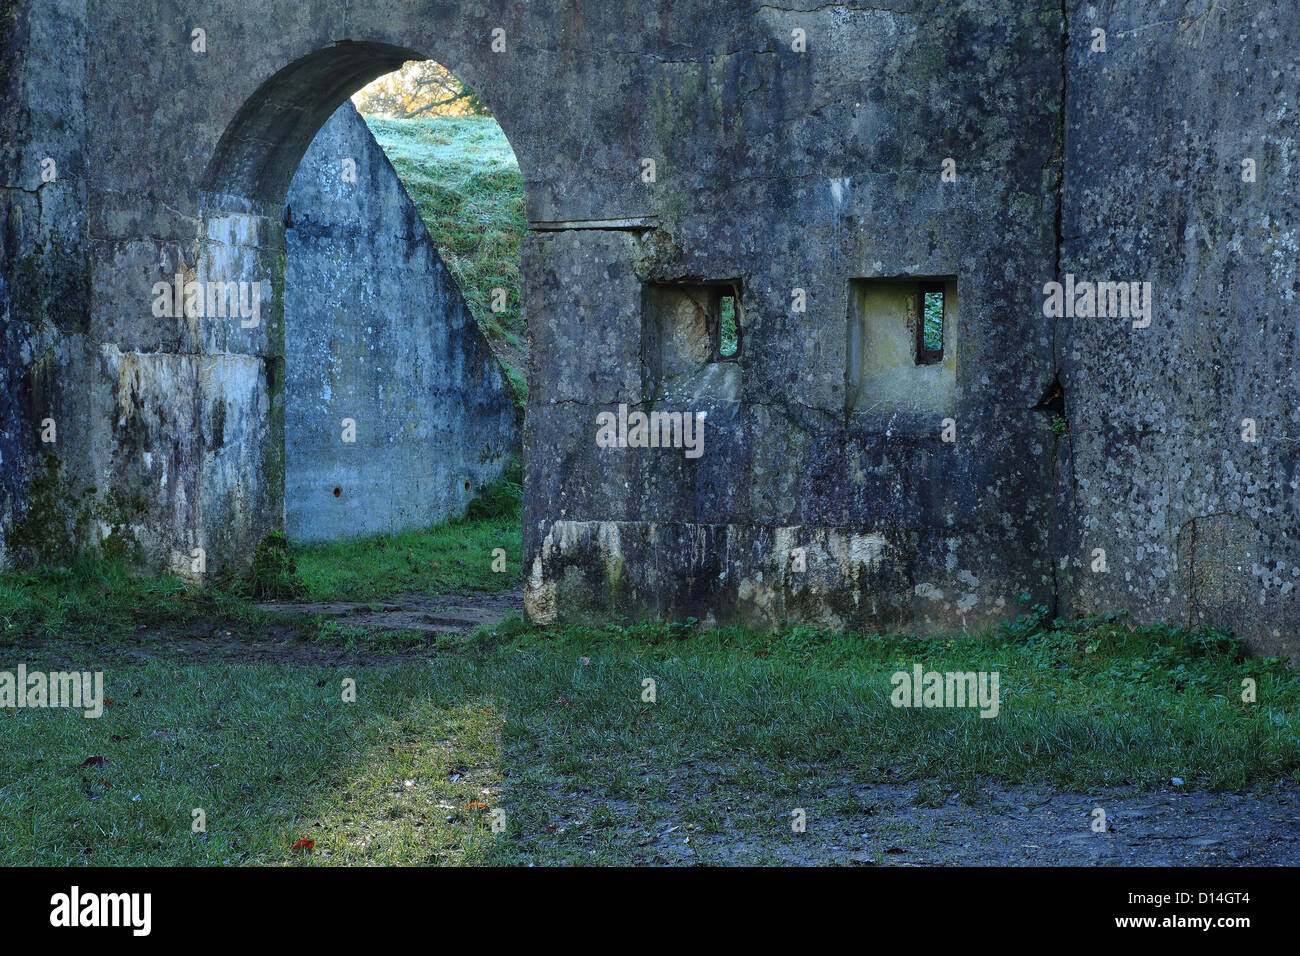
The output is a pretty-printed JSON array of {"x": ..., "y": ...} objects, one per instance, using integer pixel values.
[{"x": 304, "y": 846}]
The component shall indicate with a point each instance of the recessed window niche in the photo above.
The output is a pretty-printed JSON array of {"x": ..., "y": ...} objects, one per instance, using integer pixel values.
[
  {"x": 902, "y": 344},
  {"x": 693, "y": 339}
]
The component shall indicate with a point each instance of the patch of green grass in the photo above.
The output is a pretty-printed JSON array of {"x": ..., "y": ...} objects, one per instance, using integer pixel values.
[
  {"x": 99, "y": 597},
  {"x": 756, "y": 721},
  {"x": 463, "y": 177},
  {"x": 457, "y": 555},
  {"x": 424, "y": 794},
  {"x": 1082, "y": 704},
  {"x": 270, "y": 754},
  {"x": 552, "y": 726}
]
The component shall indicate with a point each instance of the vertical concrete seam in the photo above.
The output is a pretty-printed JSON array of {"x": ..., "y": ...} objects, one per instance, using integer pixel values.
[{"x": 1055, "y": 529}]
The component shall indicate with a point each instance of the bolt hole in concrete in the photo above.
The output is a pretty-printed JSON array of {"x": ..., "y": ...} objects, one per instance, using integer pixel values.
[{"x": 338, "y": 492}]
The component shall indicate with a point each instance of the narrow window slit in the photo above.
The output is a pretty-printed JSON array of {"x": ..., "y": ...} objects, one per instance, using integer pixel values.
[
  {"x": 929, "y": 326},
  {"x": 728, "y": 328}
]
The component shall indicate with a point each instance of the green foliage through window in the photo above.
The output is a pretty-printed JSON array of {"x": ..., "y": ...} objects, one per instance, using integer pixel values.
[
  {"x": 728, "y": 329},
  {"x": 932, "y": 335}
]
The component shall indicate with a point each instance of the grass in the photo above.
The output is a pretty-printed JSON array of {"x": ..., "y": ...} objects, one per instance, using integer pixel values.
[
  {"x": 98, "y": 598},
  {"x": 98, "y": 602},
  {"x": 456, "y": 556},
  {"x": 453, "y": 556},
  {"x": 1083, "y": 704},
  {"x": 270, "y": 754},
  {"x": 463, "y": 177},
  {"x": 550, "y": 726}
]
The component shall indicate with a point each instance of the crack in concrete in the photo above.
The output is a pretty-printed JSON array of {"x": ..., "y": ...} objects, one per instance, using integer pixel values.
[
  {"x": 1054, "y": 530},
  {"x": 24, "y": 189}
]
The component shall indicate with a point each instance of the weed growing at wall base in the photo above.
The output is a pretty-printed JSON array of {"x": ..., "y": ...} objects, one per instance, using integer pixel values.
[{"x": 452, "y": 556}]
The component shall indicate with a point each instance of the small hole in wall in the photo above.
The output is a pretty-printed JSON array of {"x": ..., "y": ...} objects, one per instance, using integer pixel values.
[
  {"x": 338, "y": 492},
  {"x": 1053, "y": 399},
  {"x": 467, "y": 486}
]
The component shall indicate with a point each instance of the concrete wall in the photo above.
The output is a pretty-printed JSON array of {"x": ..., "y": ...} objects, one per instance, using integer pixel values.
[
  {"x": 801, "y": 173},
  {"x": 794, "y": 172},
  {"x": 1197, "y": 523},
  {"x": 47, "y": 352},
  {"x": 376, "y": 331}
]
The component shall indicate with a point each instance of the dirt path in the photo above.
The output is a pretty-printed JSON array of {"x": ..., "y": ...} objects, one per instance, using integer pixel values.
[
  {"x": 1010, "y": 826},
  {"x": 209, "y": 640},
  {"x": 415, "y": 613}
]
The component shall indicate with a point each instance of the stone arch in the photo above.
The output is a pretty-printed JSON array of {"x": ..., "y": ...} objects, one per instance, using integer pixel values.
[
  {"x": 262, "y": 145},
  {"x": 242, "y": 195},
  {"x": 260, "y": 149}
]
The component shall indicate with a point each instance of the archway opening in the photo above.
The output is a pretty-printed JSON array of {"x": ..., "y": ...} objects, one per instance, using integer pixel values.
[
  {"x": 396, "y": 350},
  {"x": 458, "y": 167}
]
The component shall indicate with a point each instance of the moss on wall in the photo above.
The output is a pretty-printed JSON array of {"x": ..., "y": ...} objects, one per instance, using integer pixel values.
[{"x": 59, "y": 522}]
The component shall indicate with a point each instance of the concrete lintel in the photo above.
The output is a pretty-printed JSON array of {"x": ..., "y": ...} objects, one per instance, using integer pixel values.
[{"x": 633, "y": 223}]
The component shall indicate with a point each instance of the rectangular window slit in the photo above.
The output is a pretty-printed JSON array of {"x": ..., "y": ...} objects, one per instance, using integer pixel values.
[
  {"x": 929, "y": 326},
  {"x": 728, "y": 329}
]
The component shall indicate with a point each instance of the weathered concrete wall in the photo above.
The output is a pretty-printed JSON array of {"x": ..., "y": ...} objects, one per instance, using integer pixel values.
[
  {"x": 376, "y": 331},
  {"x": 805, "y": 171},
  {"x": 787, "y": 173},
  {"x": 45, "y": 349},
  {"x": 1197, "y": 523}
]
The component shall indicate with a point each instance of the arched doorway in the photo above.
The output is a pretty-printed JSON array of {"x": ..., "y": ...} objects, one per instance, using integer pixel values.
[
  {"x": 383, "y": 408},
  {"x": 396, "y": 410}
]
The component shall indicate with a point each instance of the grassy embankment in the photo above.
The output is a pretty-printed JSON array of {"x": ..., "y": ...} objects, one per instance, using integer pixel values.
[{"x": 463, "y": 177}]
